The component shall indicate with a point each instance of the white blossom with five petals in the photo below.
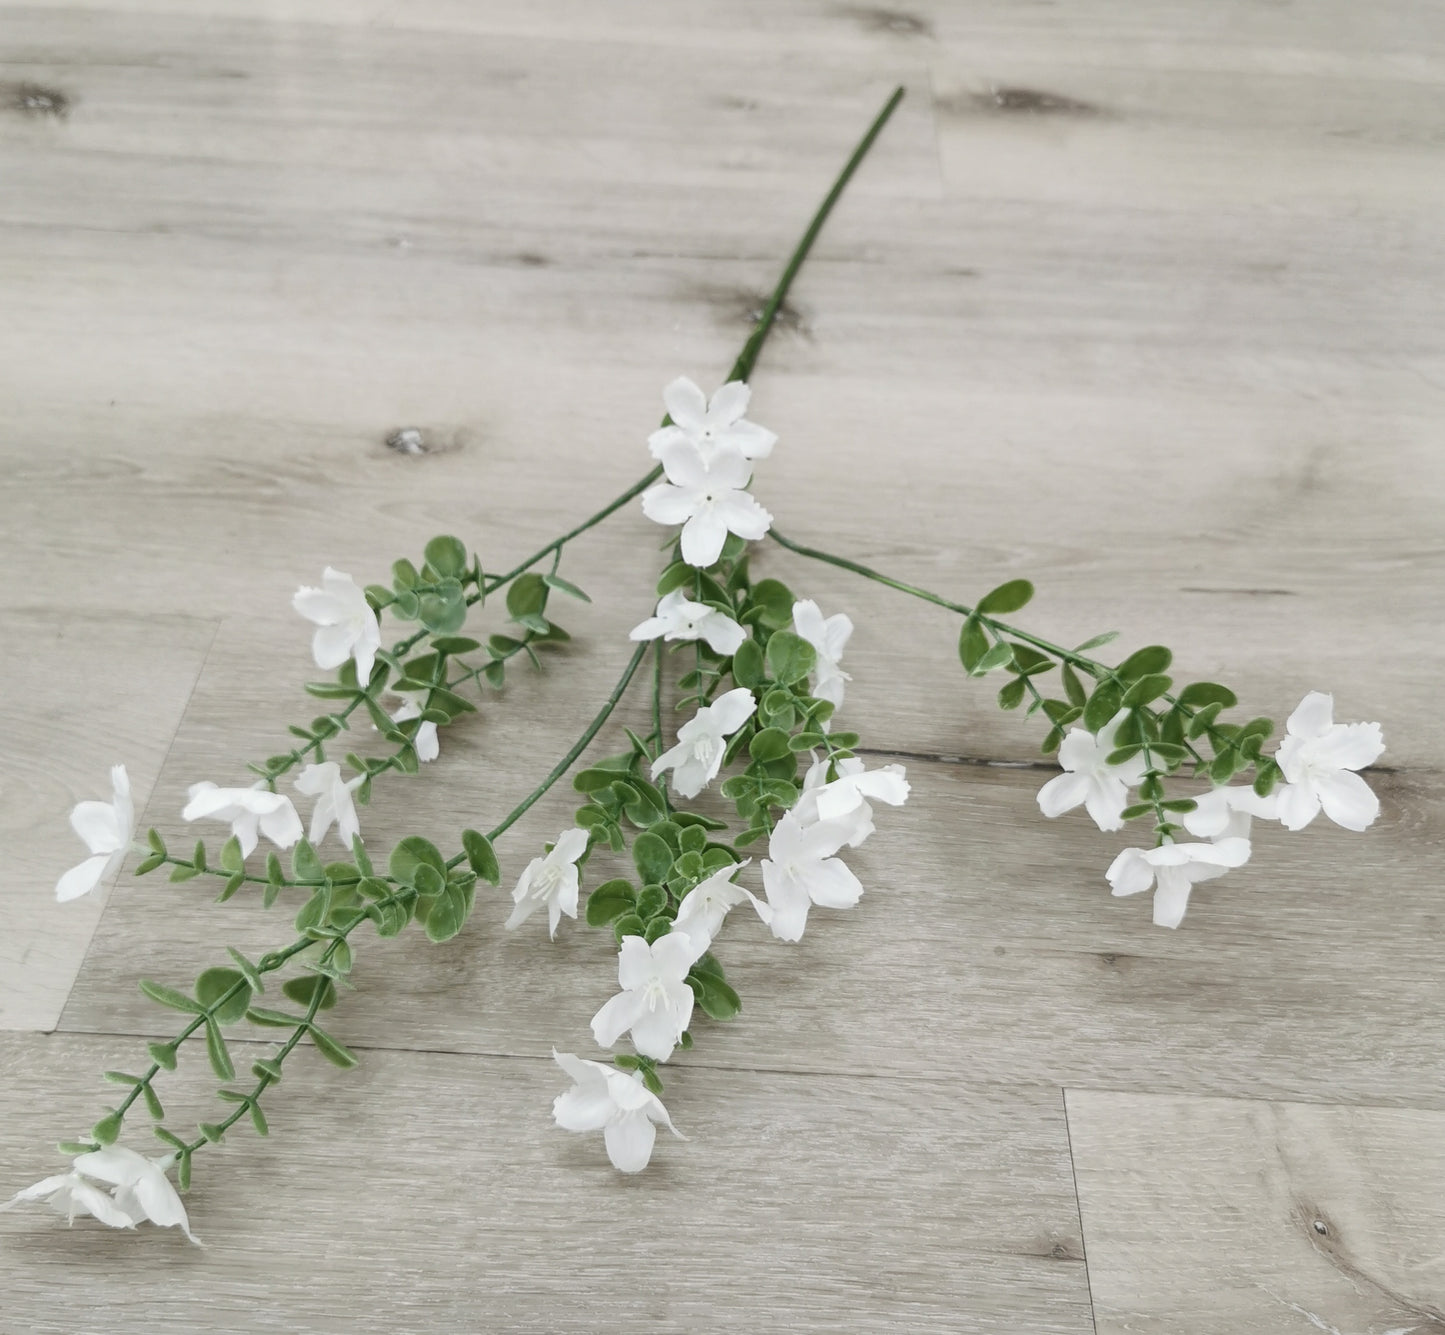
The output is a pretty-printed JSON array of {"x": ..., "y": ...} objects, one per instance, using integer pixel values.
[
  {"x": 655, "y": 1002},
  {"x": 711, "y": 426},
  {"x": 106, "y": 828},
  {"x": 1175, "y": 868},
  {"x": 707, "y": 904},
  {"x": 614, "y": 1102},
  {"x": 702, "y": 741},
  {"x": 1088, "y": 778},
  {"x": 708, "y": 498},
  {"x": 679, "y": 618},
  {"x": 553, "y": 880},
  {"x": 334, "y": 805},
  {"x": 1318, "y": 758},
  {"x": 250, "y": 812},
  {"x": 800, "y": 871},
  {"x": 844, "y": 801},
  {"x": 347, "y": 626},
  {"x": 829, "y": 637}
]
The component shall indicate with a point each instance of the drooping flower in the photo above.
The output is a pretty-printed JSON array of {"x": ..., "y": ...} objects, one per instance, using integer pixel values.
[
  {"x": 678, "y": 618},
  {"x": 844, "y": 801},
  {"x": 1318, "y": 758},
  {"x": 333, "y": 801},
  {"x": 1225, "y": 812},
  {"x": 552, "y": 880},
  {"x": 249, "y": 810},
  {"x": 428, "y": 747},
  {"x": 704, "y": 907},
  {"x": 1175, "y": 868},
  {"x": 348, "y": 628},
  {"x": 1089, "y": 779},
  {"x": 708, "y": 498},
  {"x": 614, "y": 1102},
  {"x": 142, "y": 1189},
  {"x": 710, "y": 427},
  {"x": 71, "y": 1195},
  {"x": 800, "y": 871},
  {"x": 655, "y": 1002},
  {"x": 106, "y": 828},
  {"x": 701, "y": 741},
  {"x": 829, "y": 637}
]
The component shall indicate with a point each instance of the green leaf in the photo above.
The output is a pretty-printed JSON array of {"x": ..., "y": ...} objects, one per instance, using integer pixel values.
[
  {"x": 610, "y": 901},
  {"x": 1137, "y": 810},
  {"x": 157, "y": 844},
  {"x": 107, "y": 1130},
  {"x": 447, "y": 556},
  {"x": 1011, "y": 695},
  {"x": 411, "y": 853},
  {"x": 270, "y": 1019},
  {"x": 216, "y": 1050},
  {"x": 1073, "y": 687},
  {"x": 1145, "y": 689},
  {"x": 1146, "y": 662},
  {"x": 480, "y": 856},
  {"x": 183, "y": 872},
  {"x": 1203, "y": 720},
  {"x": 526, "y": 594},
  {"x": 454, "y": 645},
  {"x": 163, "y": 1054},
  {"x": 315, "y": 910},
  {"x": 656, "y": 929},
  {"x": 403, "y": 574},
  {"x": 153, "y": 1102},
  {"x": 449, "y": 914},
  {"x": 1123, "y": 754},
  {"x": 565, "y": 586},
  {"x": 789, "y": 657},
  {"x": 1029, "y": 660},
  {"x": 769, "y": 744},
  {"x": 629, "y": 924},
  {"x": 258, "y": 1119},
  {"x": 149, "y": 864},
  {"x": 1199, "y": 693},
  {"x": 748, "y": 669},
  {"x": 652, "y": 857},
  {"x": 168, "y": 996},
  {"x": 1180, "y": 804},
  {"x": 211, "y": 1132},
  {"x": 214, "y": 984},
  {"x": 999, "y": 655},
  {"x": 305, "y": 865},
  {"x": 972, "y": 644},
  {"x": 445, "y": 611},
  {"x": 1102, "y": 706},
  {"x": 390, "y": 916},
  {"x": 336, "y": 1052},
  {"x": 251, "y": 973},
  {"x": 715, "y": 998},
  {"x": 302, "y": 989},
  {"x": 1006, "y": 598},
  {"x": 651, "y": 902},
  {"x": 771, "y": 602},
  {"x": 232, "y": 885}
]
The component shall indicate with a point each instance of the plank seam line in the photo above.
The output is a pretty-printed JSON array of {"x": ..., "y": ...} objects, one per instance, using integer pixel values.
[{"x": 1079, "y": 1208}]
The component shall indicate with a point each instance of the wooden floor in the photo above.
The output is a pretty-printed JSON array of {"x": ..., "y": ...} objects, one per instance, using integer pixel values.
[{"x": 1141, "y": 301}]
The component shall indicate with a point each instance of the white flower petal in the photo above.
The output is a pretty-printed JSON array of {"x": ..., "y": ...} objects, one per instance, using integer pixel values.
[
  {"x": 1313, "y": 716},
  {"x": 667, "y": 504},
  {"x": 617, "y": 1015},
  {"x": 703, "y": 537},
  {"x": 1347, "y": 800},
  {"x": 1063, "y": 793},
  {"x": 1299, "y": 804},
  {"x": 629, "y": 1142},
  {"x": 728, "y": 404},
  {"x": 81, "y": 879},
  {"x": 686, "y": 404}
]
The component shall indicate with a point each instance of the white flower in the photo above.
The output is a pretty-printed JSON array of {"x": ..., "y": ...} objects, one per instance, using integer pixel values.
[
  {"x": 107, "y": 828},
  {"x": 711, "y": 426},
  {"x": 1318, "y": 758},
  {"x": 1102, "y": 788},
  {"x": 615, "y": 1103},
  {"x": 1224, "y": 813},
  {"x": 678, "y": 618},
  {"x": 844, "y": 801},
  {"x": 70, "y": 1194},
  {"x": 142, "y": 1189},
  {"x": 249, "y": 811},
  {"x": 698, "y": 755},
  {"x": 348, "y": 626},
  {"x": 428, "y": 747},
  {"x": 1176, "y": 867},
  {"x": 707, "y": 498},
  {"x": 829, "y": 638},
  {"x": 655, "y": 1002},
  {"x": 333, "y": 801},
  {"x": 800, "y": 871},
  {"x": 704, "y": 907},
  {"x": 551, "y": 880}
]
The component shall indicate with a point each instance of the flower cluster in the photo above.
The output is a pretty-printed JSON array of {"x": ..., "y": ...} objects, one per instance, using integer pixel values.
[
  {"x": 783, "y": 657},
  {"x": 1317, "y": 761}
]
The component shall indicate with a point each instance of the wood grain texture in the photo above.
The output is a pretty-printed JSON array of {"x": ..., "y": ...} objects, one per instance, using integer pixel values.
[
  {"x": 1259, "y": 1217},
  {"x": 1141, "y": 302},
  {"x": 797, "y": 1205}
]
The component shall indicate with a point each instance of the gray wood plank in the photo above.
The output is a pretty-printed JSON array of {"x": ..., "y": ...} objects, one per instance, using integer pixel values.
[
  {"x": 1212, "y": 1214},
  {"x": 433, "y": 1193}
]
